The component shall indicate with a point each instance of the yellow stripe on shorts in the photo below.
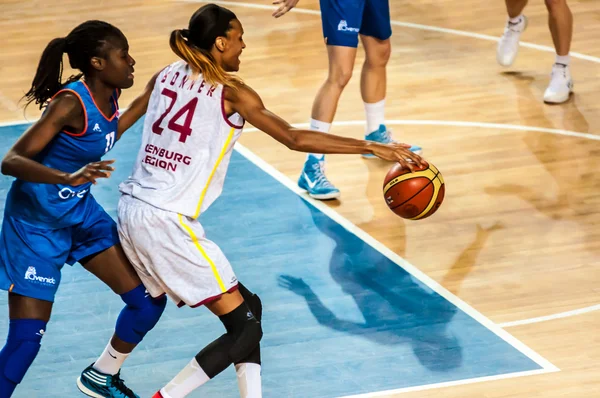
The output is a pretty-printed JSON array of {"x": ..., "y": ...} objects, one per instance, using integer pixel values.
[{"x": 199, "y": 247}]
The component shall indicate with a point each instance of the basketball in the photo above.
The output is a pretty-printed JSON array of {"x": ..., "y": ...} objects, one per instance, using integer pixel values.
[{"x": 415, "y": 195}]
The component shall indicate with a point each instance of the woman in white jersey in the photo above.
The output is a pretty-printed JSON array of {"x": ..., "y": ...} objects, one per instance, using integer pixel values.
[{"x": 195, "y": 114}]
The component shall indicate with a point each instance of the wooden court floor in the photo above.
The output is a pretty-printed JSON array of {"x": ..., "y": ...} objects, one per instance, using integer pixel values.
[{"x": 517, "y": 235}]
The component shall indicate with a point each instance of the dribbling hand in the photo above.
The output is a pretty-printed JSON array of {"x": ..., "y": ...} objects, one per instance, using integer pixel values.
[{"x": 400, "y": 153}]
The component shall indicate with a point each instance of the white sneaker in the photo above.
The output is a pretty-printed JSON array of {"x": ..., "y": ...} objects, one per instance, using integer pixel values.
[
  {"x": 508, "y": 46},
  {"x": 561, "y": 85}
]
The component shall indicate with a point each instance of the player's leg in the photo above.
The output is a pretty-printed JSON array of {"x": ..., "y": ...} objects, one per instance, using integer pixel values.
[
  {"x": 248, "y": 369},
  {"x": 341, "y": 23},
  {"x": 199, "y": 274},
  {"x": 376, "y": 31},
  {"x": 31, "y": 293},
  {"x": 96, "y": 248},
  {"x": 373, "y": 79},
  {"x": 28, "y": 319},
  {"x": 560, "y": 21},
  {"x": 508, "y": 46},
  {"x": 244, "y": 333},
  {"x": 341, "y": 63}
]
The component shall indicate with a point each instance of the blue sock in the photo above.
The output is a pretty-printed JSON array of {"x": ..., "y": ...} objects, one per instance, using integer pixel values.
[{"x": 21, "y": 348}]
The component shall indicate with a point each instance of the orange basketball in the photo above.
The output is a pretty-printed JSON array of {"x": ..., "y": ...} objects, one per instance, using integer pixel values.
[{"x": 415, "y": 195}]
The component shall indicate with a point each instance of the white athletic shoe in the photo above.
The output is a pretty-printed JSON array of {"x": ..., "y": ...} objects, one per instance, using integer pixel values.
[
  {"x": 508, "y": 46},
  {"x": 561, "y": 85}
]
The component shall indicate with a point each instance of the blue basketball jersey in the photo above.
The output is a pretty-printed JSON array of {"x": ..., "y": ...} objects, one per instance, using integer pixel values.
[{"x": 58, "y": 206}]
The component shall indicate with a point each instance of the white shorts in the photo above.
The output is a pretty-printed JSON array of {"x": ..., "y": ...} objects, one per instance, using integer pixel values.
[{"x": 171, "y": 254}]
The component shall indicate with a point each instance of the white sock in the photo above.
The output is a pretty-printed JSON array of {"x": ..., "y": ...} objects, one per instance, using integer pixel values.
[
  {"x": 516, "y": 19},
  {"x": 563, "y": 59},
  {"x": 186, "y": 381},
  {"x": 375, "y": 115},
  {"x": 323, "y": 127},
  {"x": 248, "y": 375},
  {"x": 110, "y": 361}
]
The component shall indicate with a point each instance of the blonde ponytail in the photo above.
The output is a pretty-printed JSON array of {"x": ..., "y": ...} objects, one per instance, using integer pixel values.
[{"x": 201, "y": 61}]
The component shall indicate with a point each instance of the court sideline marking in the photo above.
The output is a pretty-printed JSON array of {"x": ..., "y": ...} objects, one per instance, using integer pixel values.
[
  {"x": 456, "y": 123},
  {"x": 547, "y": 366}
]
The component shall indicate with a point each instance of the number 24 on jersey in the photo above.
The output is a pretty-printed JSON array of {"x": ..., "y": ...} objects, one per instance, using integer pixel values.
[{"x": 186, "y": 112}]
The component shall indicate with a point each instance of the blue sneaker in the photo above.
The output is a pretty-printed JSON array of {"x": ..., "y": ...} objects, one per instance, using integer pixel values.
[
  {"x": 100, "y": 385},
  {"x": 384, "y": 136},
  {"x": 314, "y": 181}
]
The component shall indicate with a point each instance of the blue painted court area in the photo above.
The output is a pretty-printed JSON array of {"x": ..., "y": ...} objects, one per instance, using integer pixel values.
[{"x": 340, "y": 318}]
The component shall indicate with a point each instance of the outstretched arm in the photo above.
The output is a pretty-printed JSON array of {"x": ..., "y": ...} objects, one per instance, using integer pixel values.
[
  {"x": 248, "y": 104},
  {"x": 137, "y": 109}
]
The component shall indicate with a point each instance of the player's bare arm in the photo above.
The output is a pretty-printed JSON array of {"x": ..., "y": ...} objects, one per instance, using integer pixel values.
[
  {"x": 137, "y": 109},
  {"x": 248, "y": 104},
  {"x": 64, "y": 111}
]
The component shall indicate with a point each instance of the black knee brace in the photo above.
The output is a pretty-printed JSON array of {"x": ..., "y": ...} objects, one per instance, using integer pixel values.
[
  {"x": 252, "y": 300},
  {"x": 241, "y": 341},
  {"x": 255, "y": 306},
  {"x": 245, "y": 330}
]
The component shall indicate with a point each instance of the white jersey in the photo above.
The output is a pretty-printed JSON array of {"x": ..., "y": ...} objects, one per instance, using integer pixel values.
[{"x": 186, "y": 145}]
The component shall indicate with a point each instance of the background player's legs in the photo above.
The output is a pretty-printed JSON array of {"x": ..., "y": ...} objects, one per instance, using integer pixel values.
[
  {"x": 373, "y": 84},
  {"x": 341, "y": 63},
  {"x": 515, "y": 7},
  {"x": 375, "y": 35},
  {"x": 560, "y": 21},
  {"x": 28, "y": 319},
  {"x": 508, "y": 46},
  {"x": 140, "y": 315},
  {"x": 373, "y": 78},
  {"x": 243, "y": 336}
]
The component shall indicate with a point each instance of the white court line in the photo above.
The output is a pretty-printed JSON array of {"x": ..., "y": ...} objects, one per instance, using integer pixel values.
[
  {"x": 414, "y": 271},
  {"x": 406, "y": 25},
  {"x": 16, "y": 123},
  {"x": 448, "y": 384},
  {"x": 455, "y": 123},
  {"x": 565, "y": 314}
]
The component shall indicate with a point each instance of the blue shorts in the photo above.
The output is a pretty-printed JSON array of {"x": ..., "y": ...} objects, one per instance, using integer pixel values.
[
  {"x": 343, "y": 20},
  {"x": 31, "y": 257}
]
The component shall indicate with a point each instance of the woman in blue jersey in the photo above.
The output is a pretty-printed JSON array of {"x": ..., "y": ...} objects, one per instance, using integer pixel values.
[{"x": 51, "y": 218}]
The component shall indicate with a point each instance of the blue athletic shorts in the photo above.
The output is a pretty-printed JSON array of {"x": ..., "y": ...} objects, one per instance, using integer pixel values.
[
  {"x": 343, "y": 20},
  {"x": 31, "y": 257}
]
